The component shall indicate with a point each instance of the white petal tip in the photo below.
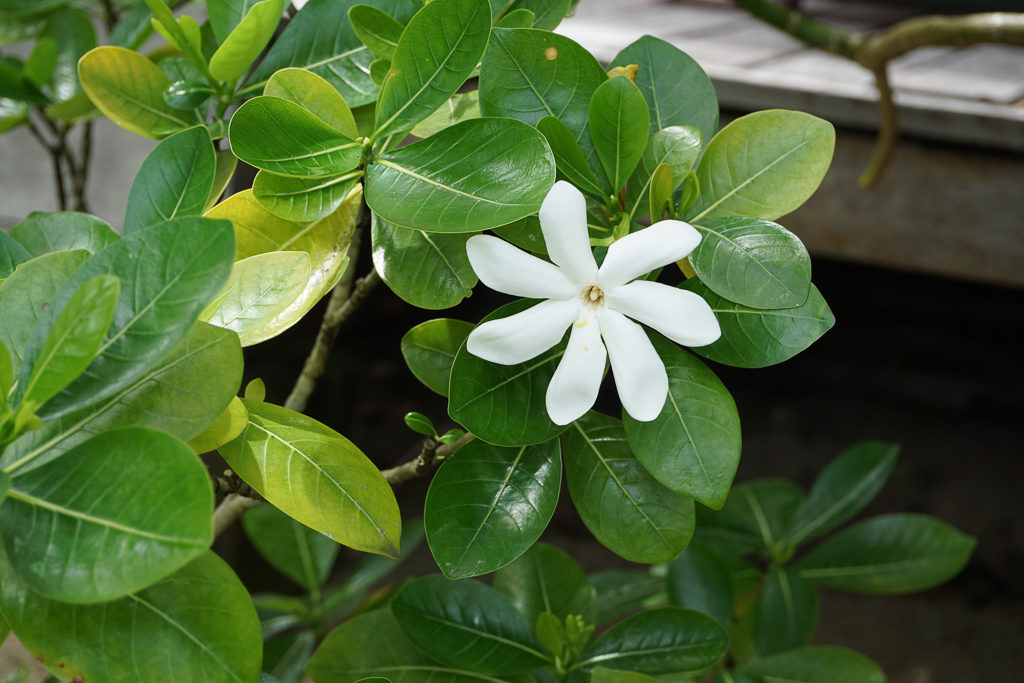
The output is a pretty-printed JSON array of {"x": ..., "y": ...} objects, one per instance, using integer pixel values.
[{"x": 646, "y": 413}]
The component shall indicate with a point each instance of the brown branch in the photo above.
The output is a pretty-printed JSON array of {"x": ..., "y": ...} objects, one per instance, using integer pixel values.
[
  {"x": 433, "y": 453},
  {"x": 230, "y": 509},
  {"x": 888, "y": 131}
]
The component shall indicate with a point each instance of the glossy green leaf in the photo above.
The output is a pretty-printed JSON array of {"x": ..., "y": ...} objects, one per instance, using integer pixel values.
[
  {"x": 763, "y": 165},
  {"x": 316, "y": 476},
  {"x": 197, "y": 624},
  {"x": 6, "y": 374},
  {"x": 228, "y": 425},
  {"x": 666, "y": 640},
  {"x": 41, "y": 232},
  {"x": 372, "y": 644},
  {"x": 429, "y": 350},
  {"x": 168, "y": 273},
  {"x": 320, "y": 38},
  {"x": 659, "y": 192},
  {"x": 420, "y": 423},
  {"x": 569, "y": 158},
  {"x": 260, "y": 288},
  {"x": 429, "y": 270},
  {"x": 186, "y": 95},
  {"x": 889, "y": 554},
  {"x": 174, "y": 180},
  {"x": 225, "y": 15},
  {"x": 677, "y": 146},
  {"x": 246, "y": 41},
  {"x": 15, "y": 85},
  {"x": 475, "y": 175},
  {"x": 621, "y": 591},
  {"x": 693, "y": 446},
  {"x": 488, "y": 504},
  {"x": 688, "y": 193},
  {"x": 677, "y": 90},
  {"x": 25, "y": 295},
  {"x": 378, "y": 30},
  {"x": 56, "y": 356},
  {"x": 223, "y": 171},
  {"x": 504, "y": 404},
  {"x": 71, "y": 30},
  {"x": 625, "y": 508},
  {"x": 300, "y": 553},
  {"x": 520, "y": 18},
  {"x": 547, "y": 13},
  {"x": 314, "y": 94},
  {"x": 817, "y": 664},
  {"x": 145, "y": 512},
  {"x": 756, "y": 338},
  {"x": 752, "y": 262},
  {"x": 529, "y": 74},
  {"x": 39, "y": 65},
  {"x": 843, "y": 488},
  {"x": 128, "y": 89},
  {"x": 282, "y": 137},
  {"x": 546, "y": 579},
  {"x": 458, "y": 108},
  {"x": 11, "y": 255},
  {"x": 618, "y": 126},
  {"x": 182, "y": 394},
  {"x": 466, "y": 624},
  {"x": 699, "y": 580},
  {"x": 756, "y": 516},
  {"x": 785, "y": 614},
  {"x": 524, "y": 233},
  {"x": 379, "y": 70},
  {"x": 436, "y": 53},
  {"x": 14, "y": 114},
  {"x": 601, "y": 675},
  {"x": 133, "y": 28}
]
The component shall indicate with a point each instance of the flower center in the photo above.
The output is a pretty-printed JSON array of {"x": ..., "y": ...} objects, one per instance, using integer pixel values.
[{"x": 592, "y": 296}]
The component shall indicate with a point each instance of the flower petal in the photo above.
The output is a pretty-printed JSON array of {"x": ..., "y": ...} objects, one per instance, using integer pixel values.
[
  {"x": 563, "y": 220},
  {"x": 682, "y": 316},
  {"x": 522, "y": 336},
  {"x": 640, "y": 376},
  {"x": 641, "y": 252},
  {"x": 509, "y": 269},
  {"x": 573, "y": 389}
]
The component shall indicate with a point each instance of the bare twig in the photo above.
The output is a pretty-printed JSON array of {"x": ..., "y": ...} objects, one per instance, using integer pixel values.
[
  {"x": 432, "y": 453},
  {"x": 230, "y": 509}
]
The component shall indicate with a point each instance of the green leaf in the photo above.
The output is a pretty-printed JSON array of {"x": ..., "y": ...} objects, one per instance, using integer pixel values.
[
  {"x": 666, "y": 640},
  {"x": 186, "y": 95},
  {"x": 246, "y": 41},
  {"x": 39, "y": 64},
  {"x": 225, "y": 15},
  {"x": 378, "y": 30},
  {"x": 128, "y": 89},
  {"x": 524, "y": 233},
  {"x": 763, "y": 165},
  {"x": 569, "y": 158},
  {"x": 466, "y": 624},
  {"x": 688, "y": 193},
  {"x": 6, "y": 374},
  {"x": 613, "y": 676},
  {"x": 429, "y": 350},
  {"x": 228, "y": 425},
  {"x": 15, "y": 85},
  {"x": 224, "y": 169},
  {"x": 437, "y": 52},
  {"x": 11, "y": 255},
  {"x": 41, "y": 232},
  {"x": 109, "y": 517},
  {"x": 817, "y": 664},
  {"x": 677, "y": 90},
  {"x": 25, "y": 295},
  {"x": 182, "y": 394},
  {"x": 756, "y": 338},
  {"x": 620, "y": 502},
  {"x": 488, "y": 504},
  {"x": 752, "y": 262},
  {"x": 621, "y": 591},
  {"x": 295, "y": 550},
  {"x": 618, "y": 126},
  {"x": 699, "y": 580},
  {"x": 134, "y": 27},
  {"x": 373, "y": 643},
  {"x": 693, "y": 446},
  {"x": 458, "y": 108},
  {"x": 529, "y": 74},
  {"x": 660, "y": 192},
  {"x": 314, "y": 94},
  {"x": 755, "y": 517},
  {"x": 174, "y": 180},
  {"x": 475, "y": 175},
  {"x": 429, "y": 270},
  {"x": 72, "y": 31},
  {"x": 168, "y": 273},
  {"x": 260, "y": 288},
  {"x": 56, "y": 356},
  {"x": 785, "y": 614},
  {"x": 843, "y": 488},
  {"x": 316, "y": 476},
  {"x": 282, "y": 137},
  {"x": 677, "y": 146},
  {"x": 256, "y": 390},
  {"x": 890, "y": 554},
  {"x": 197, "y": 624},
  {"x": 546, "y": 579},
  {"x": 547, "y": 13},
  {"x": 504, "y": 404},
  {"x": 520, "y": 18},
  {"x": 420, "y": 423}
]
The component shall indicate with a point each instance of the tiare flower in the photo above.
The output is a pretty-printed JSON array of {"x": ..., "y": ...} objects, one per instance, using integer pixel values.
[{"x": 596, "y": 302}]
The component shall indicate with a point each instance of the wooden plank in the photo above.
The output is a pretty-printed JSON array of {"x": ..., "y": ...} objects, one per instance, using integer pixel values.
[{"x": 992, "y": 73}]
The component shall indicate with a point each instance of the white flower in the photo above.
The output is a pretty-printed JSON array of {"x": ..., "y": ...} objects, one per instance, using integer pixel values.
[{"x": 595, "y": 302}]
